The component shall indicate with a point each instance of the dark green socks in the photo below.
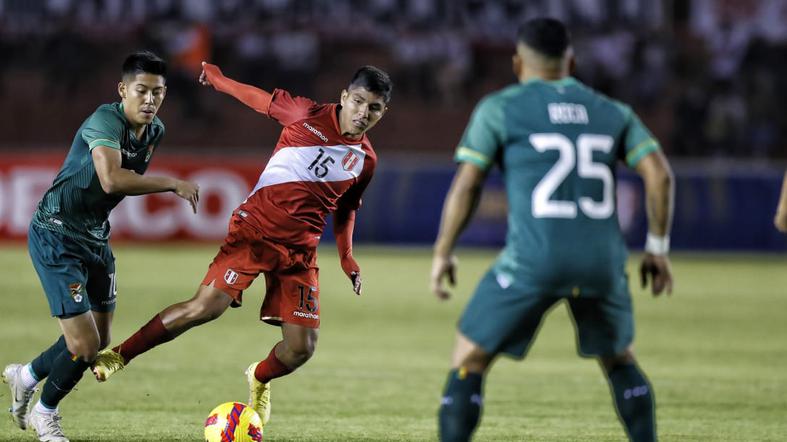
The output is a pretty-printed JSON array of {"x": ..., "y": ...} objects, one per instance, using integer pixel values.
[
  {"x": 634, "y": 402},
  {"x": 42, "y": 365},
  {"x": 460, "y": 408},
  {"x": 66, "y": 371}
]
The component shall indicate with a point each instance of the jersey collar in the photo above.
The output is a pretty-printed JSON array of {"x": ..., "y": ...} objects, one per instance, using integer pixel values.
[{"x": 563, "y": 82}]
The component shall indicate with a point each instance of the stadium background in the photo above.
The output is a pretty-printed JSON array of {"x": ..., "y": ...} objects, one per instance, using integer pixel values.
[{"x": 707, "y": 76}]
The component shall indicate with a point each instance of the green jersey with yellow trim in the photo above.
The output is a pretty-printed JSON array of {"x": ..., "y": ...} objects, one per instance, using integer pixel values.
[
  {"x": 75, "y": 204},
  {"x": 557, "y": 143}
]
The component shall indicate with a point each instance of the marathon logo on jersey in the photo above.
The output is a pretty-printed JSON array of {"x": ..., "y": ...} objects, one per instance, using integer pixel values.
[
  {"x": 76, "y": 291},
  {"x": 306, "y": 315},
  {"x": 350, "y": 160},
  {"x": 315, "y": 132},
  {"x": 151, "y": 148},
  {"x": 230, "y": 277}
]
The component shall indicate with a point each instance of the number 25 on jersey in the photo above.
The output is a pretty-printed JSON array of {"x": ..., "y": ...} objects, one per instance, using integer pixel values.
[{"x": 569, "y": 157}]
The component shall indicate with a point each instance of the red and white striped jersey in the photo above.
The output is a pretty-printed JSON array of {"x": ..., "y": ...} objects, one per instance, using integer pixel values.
[{"x": 313, "y": 171}]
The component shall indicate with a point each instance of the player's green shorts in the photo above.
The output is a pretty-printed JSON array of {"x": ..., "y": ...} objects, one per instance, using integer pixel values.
[
  {"x": 76, "y": 277},
  {"x": 506, "y": 321}
]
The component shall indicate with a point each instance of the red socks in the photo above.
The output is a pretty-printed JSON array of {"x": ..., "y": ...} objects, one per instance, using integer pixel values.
[
  {"x": 271, "y": 368},
  {"x": 150, "y": 335}
]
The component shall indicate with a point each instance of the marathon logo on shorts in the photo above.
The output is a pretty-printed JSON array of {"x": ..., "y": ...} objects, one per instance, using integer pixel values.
[
  {"x": 306, "y": 315},
  {"x": 230, "y": 277},
  {"x": 76, "y": 291},
  {"x": 349, "y": 161}
]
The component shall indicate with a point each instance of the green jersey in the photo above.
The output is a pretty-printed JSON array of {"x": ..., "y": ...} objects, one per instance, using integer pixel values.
[
  {"x": 76, "y": 205},
  {"x": 557, "y": 143}
]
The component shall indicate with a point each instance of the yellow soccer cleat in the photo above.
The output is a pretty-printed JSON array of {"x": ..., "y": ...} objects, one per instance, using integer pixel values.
[
  {"x": 259, "y": 395},
  {"x": 107, "y": 363}
]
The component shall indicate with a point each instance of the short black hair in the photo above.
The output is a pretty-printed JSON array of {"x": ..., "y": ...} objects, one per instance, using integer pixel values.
[
  {"x": 547, "y": 36},
  {"x": 144, "y": 62},
  {"x": 374, "y": 80}
]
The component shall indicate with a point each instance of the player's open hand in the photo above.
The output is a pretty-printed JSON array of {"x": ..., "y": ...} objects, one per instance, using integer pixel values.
[
  {"x": 657, "y": 269},
  {"x": 188, "y": 191},
  {"x": 211, "y": 69},
  {"x": 355, "y": 277},
  {"x": 443, "y": 266}
]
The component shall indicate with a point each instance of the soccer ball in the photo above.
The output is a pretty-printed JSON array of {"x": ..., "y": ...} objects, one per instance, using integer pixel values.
[{"x": 233, "y": 422}]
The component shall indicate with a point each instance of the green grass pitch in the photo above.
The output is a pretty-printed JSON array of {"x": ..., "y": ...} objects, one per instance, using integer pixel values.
[{"x": 714, "y": 351}]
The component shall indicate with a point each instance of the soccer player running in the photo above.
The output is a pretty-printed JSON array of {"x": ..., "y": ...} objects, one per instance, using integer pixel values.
[
  {"x": 322, "y": 163},
  {"x": 780, "y": 219},
  {"x": 557, "y": 142},
  {"x": 69, "y": 233}
]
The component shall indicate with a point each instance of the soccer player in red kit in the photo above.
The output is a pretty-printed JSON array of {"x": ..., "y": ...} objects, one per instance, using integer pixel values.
[{"x": 322, "y": 163}]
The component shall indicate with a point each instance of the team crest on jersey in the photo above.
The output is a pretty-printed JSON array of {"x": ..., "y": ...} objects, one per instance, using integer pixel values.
[
  {"x": 230, "y": 277},
  {"x": 349, "y": 161},
  {"x": 151, "y": 147},
  {"x": 76, "y": 291}
]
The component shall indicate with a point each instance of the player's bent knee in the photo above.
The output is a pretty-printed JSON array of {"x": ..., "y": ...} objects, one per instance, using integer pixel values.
[
  {"x": 84, "y": 348},
  {"x": 624, "y": 358}
]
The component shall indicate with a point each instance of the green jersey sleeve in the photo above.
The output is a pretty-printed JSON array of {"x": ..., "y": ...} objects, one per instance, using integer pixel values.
[
  {"x": 103, "y": 128},
  {"x": 638, "y": 142},
  {"x": 484, "y": 134}
]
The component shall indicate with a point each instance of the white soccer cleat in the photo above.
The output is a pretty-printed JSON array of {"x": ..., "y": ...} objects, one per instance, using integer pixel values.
[
  {"x": 47, "y": 426},
  {"x": 106, "y": 364},
  {"x": 20, "y": 396},
  {"x": 259, "y": 395}
]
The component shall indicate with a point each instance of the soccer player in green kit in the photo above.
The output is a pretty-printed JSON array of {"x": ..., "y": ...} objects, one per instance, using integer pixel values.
[
  {"x": 557, "y": 142},
  {"x": 69, "y": 233}
]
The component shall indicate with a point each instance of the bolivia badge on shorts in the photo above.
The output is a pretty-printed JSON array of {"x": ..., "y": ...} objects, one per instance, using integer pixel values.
[{"x": 76, "y": 291}]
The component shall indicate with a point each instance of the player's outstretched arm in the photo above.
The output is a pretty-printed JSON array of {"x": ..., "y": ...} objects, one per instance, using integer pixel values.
[
  {"x": 115, "y": 179},
  {"x": 780, "y": 220},
  {"x": 659, "y": 194},
  {"x": 459, "y": 206},
  {"x": 343, "y": 225},
  {"x": 251, "y": 96}
]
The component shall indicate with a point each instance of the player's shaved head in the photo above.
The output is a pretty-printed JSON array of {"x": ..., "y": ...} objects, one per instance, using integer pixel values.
[
  {"x": 546, "y": 36},
  {"x": 373, "y": 79},
  {"x": 143, "y": 62}
]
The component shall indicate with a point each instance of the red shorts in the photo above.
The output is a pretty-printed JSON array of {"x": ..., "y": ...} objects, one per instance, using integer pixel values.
[{"x": 292, "y": 293}]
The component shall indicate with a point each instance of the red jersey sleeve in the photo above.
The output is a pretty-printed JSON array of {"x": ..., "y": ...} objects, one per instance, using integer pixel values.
[{"x": 287, "y": 109}]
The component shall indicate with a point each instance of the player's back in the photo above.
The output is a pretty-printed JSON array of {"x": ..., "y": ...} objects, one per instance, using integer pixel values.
[{"x": 559, "y": 145}]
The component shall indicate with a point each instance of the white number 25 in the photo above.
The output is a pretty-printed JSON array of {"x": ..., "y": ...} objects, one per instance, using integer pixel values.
[{"x": 543, "y": 206}]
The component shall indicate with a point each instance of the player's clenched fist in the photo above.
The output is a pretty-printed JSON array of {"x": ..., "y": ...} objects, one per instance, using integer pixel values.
[
  {"x": 188, "y": 191},
  {"x": 208, "y": 70}
]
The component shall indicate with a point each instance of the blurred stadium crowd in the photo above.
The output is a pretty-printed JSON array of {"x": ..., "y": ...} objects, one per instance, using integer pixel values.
[{"x": 704, "y": 74}]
